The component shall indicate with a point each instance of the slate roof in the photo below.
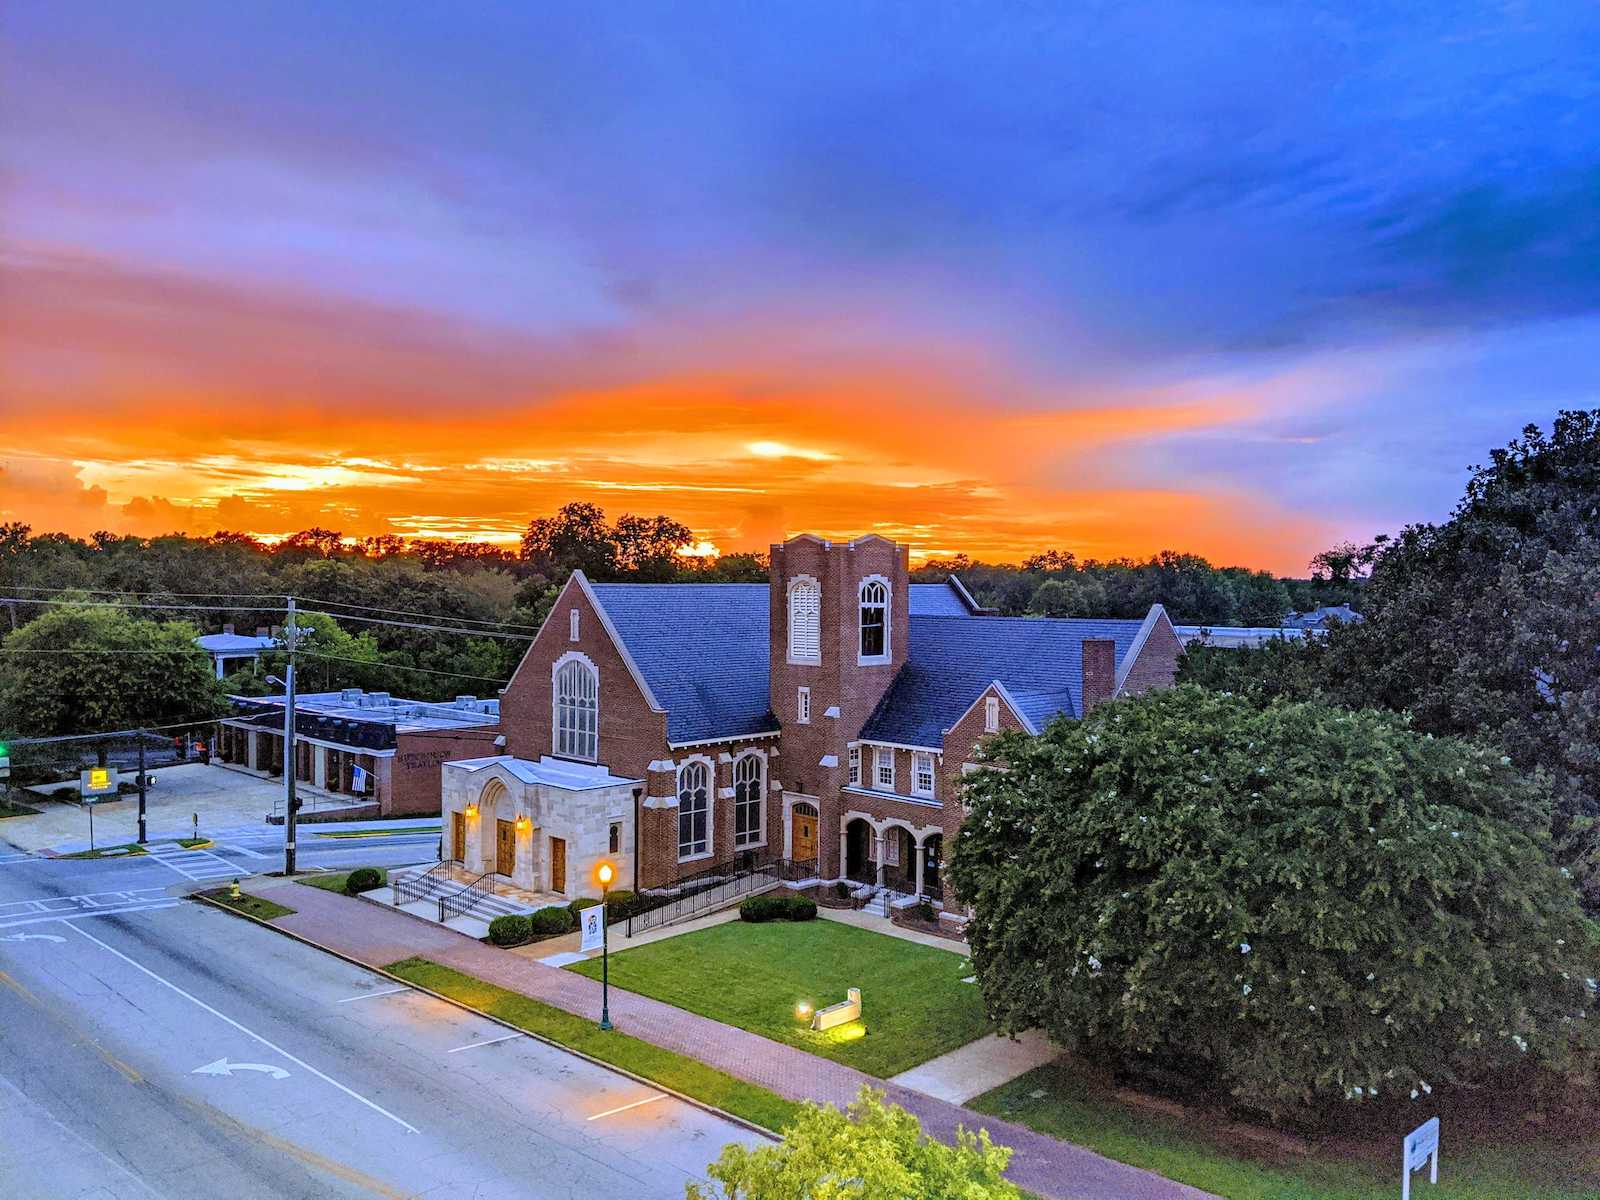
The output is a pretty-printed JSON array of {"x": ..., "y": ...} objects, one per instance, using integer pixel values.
[
  {"x": 952, "y": 660},
  {"x": 937, "y": 600},
  {"x": 703, "y": 649}
]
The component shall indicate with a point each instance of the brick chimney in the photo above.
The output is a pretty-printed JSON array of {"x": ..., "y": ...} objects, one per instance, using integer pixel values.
[
  {"x": 228, "y": 628},
  {"x": 1099, "y": 671}
]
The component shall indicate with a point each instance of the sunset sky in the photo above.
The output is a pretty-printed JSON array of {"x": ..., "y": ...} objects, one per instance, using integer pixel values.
[{"x": 1242, "y": 279}]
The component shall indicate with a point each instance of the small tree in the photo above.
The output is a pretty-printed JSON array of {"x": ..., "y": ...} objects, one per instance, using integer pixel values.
[
  {"x": 1297, "y": 901},
  {"x": 876, "y": 1152}
]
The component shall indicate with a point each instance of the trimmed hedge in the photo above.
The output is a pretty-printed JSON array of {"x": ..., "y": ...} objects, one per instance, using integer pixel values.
[
  {"x": 758, "y": 909},
  {"x": 363, "y": 879},
  {"x": 622, "y": 904},
  {"x": 581, "y": 903},
  {"x": 510, "y": 931},
  {"x": 547, "y": 922}
]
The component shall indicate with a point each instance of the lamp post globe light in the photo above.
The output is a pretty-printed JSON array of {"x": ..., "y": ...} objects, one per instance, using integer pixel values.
[{"x": 605, "y": 873}]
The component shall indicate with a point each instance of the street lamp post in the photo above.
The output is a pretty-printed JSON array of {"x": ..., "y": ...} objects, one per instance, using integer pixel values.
[{"x": 605, "y": 872}]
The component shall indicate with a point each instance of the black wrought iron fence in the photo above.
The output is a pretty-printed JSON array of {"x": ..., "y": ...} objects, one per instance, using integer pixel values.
[{"x": 713, "y": 887}]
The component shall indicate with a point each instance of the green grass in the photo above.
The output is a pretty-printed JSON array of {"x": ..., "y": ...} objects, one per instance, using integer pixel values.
[
  {"x": 675, "y": 1071},
  {"x": 376, "y": 833},
  {"x": 10, "y": 808},
  {"x": 914, "y": 1005},
  {"x": 124, "y": 851},
  {"x": 1520, "y": 1164},
  {"x": 195, "y": 843},
  {"x": 250, "y": 906},
  {"x": 335, "y": 881}
]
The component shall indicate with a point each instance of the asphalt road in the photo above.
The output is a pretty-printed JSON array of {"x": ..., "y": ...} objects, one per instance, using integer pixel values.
[{"x": 154, "y": 1047}]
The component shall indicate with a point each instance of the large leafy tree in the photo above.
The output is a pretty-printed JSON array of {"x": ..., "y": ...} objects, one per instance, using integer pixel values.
[
  {"x": 1301, "y": 902},
  {"x": 876, "y": 1152},
  {"x": 87, "y": 668},
  {"x": 1487, "y": 625}
]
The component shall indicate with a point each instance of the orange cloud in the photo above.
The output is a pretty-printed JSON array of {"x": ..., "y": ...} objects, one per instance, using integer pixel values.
[{"x": 152, "y": 403}]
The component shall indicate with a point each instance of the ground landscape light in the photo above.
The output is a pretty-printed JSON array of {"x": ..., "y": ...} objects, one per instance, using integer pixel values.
[{"x": 802, "y": 1010}]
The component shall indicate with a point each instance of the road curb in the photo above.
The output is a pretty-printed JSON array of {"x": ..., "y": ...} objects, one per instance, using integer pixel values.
[{"x": 702, "y": 1105}]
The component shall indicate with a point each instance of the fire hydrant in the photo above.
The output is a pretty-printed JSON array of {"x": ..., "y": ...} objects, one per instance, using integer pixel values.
[{"x": 233, "y": 890}]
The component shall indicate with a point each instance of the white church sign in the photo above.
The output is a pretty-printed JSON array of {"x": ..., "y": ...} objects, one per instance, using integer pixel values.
[{"x": 1421, "y": 1149}]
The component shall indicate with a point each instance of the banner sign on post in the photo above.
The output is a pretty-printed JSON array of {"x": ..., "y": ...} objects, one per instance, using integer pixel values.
[
  {"x": 1421, "y": 1148},
  {"x": 594, "y": 927}
]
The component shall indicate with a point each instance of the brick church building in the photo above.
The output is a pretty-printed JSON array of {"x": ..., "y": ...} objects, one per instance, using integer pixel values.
[{"x": 825, "y": 717}]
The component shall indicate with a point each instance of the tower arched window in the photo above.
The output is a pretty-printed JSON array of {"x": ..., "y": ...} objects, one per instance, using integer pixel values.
[
  {"x": 748, "y": 805},
  {"x": 694, "y": 810},
  {"x": 577, "y": 710},
  {"x": 874, "y": 620},
  {"x": 805, "y": 620}
]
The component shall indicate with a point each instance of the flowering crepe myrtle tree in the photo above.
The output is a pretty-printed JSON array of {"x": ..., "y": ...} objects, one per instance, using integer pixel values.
[{"x": 1301, "y": 902}]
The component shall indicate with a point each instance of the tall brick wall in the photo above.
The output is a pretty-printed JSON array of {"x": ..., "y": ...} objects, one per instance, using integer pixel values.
[
  {"x": 413, "y": 784},
  {"x": 1099, "y": 671},
  {"x": 1157, "y": 663}
]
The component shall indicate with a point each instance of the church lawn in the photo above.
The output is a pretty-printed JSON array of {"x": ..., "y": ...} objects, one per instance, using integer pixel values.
[
  {"x": 1244, "y": 1162},
  {"x": 914, "y": 1005}
]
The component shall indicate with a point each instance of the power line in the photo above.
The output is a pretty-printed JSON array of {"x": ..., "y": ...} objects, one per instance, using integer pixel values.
[
  {"x": 86, "y": 737},
  {"x": 406, "y": 612},
  {"x": 93, "y": 603},
  {"x": 385, "y": 666},
  {"x": 19, "y": 587},
  {"x": 515, "y": 637},
  {"x": 184, "y": 650}
]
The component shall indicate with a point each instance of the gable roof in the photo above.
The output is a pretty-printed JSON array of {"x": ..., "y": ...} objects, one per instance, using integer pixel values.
[
  {"x": 1037, "y": 661},
  {"x": 703, "y": 650},
  {"x": 947, "y": 599}
]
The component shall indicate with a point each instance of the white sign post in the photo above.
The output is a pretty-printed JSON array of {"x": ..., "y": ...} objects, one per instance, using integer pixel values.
[
  {"x": 594, "y": 927},
  {"x": 1421, "y": 1146}
]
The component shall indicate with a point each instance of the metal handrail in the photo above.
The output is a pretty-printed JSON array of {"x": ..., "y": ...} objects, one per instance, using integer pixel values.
[
  {"x": 713, "y": 887},
  {"x": 417, "y": 887},
  {"x": 462, "y": 901}
]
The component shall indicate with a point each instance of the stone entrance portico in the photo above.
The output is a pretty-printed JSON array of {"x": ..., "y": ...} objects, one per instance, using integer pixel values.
[{"x": 542, "y": 825}]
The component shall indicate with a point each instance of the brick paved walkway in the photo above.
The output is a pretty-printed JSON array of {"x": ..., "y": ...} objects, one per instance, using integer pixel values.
[{"x": 370, "y": 934}]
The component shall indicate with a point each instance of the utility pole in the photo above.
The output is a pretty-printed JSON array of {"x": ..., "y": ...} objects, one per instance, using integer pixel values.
[
  {"x": 289, "y": 762},
  {"x": 141, "y": 787}
]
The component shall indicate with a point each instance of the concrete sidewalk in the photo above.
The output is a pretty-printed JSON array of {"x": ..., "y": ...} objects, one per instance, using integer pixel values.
[
  {"x": 980, "y": 1066},
  {"x": 377, "y": 936}
]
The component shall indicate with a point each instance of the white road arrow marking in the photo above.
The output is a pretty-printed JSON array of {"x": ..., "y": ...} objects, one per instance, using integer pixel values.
[
  {"x": 32, "y": 937},
  {"x": 223, "y": 1067}
]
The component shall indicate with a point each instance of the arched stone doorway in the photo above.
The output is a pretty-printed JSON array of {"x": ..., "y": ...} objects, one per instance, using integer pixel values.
[
  {"x": 497, "y": 845},
  {"x": 858, "y": 860}
]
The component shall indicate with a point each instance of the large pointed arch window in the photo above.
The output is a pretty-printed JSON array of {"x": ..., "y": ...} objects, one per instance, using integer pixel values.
[
  {"x": 694, "y": 810},
  {"x": 874, "y": 620},
  {"x": 577, "y": 710},
  {"x": 748, "y": 827}
]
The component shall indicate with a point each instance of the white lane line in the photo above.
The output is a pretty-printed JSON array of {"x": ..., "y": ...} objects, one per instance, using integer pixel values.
[
  {"x": 473, "y": 1045},
  {"x": 99, "y": 912},
  {"x": 276, "y": 1049},
  {"x": 611, "y": 1112},
  {"x": 370, "y": 995}
]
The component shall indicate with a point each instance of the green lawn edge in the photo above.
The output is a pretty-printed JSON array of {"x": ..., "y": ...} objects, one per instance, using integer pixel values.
[
  {"x": 675, "y": 1071},
  {"x": 126, "y": 850},
  {"x": 1181, "y": 1150},
  {"x": 335, "y": 881},
  {"x": 751, "y": 975},
  {"x": 250, "y": 906}
]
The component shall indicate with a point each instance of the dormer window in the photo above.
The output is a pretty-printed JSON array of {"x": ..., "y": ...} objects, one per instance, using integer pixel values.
[
  {"x": 874, "y": 646},
  {"x": 805, "y": 620}
]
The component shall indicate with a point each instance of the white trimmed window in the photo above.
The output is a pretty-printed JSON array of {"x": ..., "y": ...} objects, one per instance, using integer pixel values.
[
  {"x": 874, "y": 645},
  {"x": 577, "y": 710},
  {"x": 748, "y": 804},
  {"x": 572, "y": 626},
  {"x": 883, "y": 768},
  {"x": 855, "y": 765},
  {"x": 694, "y": 810},
  {"x": 802, "y": 706},
  {"x": 805, "y": 620},
  {"x": 922, "y": 774},
  {"x": 991, "y": 714}
]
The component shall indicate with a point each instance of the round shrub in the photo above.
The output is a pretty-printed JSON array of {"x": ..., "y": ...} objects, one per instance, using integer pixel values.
[
  {"x": 509, "y": 931},
  {"x": 622, "y": 904},
  {"x": 363, "y": 879},
  {"x": 1300, "y": 902},
  {"x": 802, "y": 908},
  {"x": 758, "y": 909},
  {"x": 547, "y": 922},
  {"x": 581, "y": 903}
]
